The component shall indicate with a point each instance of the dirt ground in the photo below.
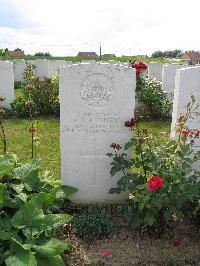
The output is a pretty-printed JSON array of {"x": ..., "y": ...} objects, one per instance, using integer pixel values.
[{"x": 126, "y": 248}]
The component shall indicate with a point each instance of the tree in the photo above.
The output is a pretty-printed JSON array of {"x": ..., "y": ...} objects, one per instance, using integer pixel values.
[
  {"x": 17, "y": 49},
  {"x": 42, "y": 54},
  {"x": 157, "y": 54}
]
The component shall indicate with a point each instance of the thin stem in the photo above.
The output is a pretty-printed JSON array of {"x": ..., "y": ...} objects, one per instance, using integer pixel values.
[{"x": 3, "y": 137}]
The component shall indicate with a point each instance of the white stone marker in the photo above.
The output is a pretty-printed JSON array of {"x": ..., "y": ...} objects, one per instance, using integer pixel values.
[
  {"x": 187, "y": 84},
  {"x": 155, "y": 70},
  {"x": 168, "y": 76},
  {"x": 96, "y": 99},
  {"x": 54, "y": 66},
  {"x": 42, "y": 67},
  {"x": 7, "y": 82},
  {"x": 18, "y": 68}
]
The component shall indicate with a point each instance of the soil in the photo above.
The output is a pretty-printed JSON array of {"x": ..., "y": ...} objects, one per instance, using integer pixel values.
[{"x": 129, "y": 248}]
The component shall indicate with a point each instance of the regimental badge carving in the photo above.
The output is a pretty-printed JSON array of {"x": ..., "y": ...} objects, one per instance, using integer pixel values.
[{"x": 96, "y": 89}]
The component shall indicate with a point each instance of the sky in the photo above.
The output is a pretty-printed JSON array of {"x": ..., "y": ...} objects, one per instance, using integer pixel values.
[{"x": 122, "y": 27}]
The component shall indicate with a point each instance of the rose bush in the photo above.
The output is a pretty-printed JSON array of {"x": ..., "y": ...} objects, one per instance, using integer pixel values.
[{"x": 161, "y": 179}]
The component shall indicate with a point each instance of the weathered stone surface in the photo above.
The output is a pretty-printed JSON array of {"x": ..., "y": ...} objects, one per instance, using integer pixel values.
[
  {"x": 96, "y": 99},
  {"x": 168, "y": 76},
  {"x": 18, "y": 68},
  {"x": 187, "y": 84},
  {"x": 155, "y": 70},
  {"x": 41, "y": 67},
  {"x": 7, "y": 82}
]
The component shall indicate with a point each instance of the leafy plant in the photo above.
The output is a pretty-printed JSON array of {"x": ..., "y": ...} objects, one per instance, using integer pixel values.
[
  {"x": 44, "y": 94},
  {"x": 28, "y": 227},
  {"x": 151, "y": 95},
  {"x": 160, "y": 178},
  {"x": 93, "y": 223}
]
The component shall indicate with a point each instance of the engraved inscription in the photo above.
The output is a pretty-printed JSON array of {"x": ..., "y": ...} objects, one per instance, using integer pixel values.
[
  {"x": 96, "y": 89},
  {"x": 94, "y": 123}
]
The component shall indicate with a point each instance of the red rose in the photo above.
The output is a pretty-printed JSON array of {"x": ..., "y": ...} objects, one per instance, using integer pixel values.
[
  {"x": 137, "y": 72},
  {"x": 143, "y": 65},
  {"x": 155, "y": 183},
  {"x": 185, "y": 132}
]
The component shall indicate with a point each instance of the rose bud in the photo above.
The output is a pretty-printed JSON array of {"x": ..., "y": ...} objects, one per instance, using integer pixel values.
[
  {"x": 30, "y": 104},
  {"x": 2, "y": 112},
  {"x": 32, "y": 129},
  {"x": 2, "y": 99},
  {"x": 29, "y": 88},
  {"x": 118, "y": 147}
]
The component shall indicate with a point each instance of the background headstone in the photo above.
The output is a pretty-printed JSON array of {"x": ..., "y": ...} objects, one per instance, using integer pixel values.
[
  {"x": 7, "y": 82},
  {"x": 168, "y": 76},
  {"x": 96, "y": 99},
  {"x": 155, "y": 71},
  {"x": 42, "y": 67},
  {"x": 18, "y": 68},
  {"x": 187, "y": 84},
  {"x": 54, "y": 66}
]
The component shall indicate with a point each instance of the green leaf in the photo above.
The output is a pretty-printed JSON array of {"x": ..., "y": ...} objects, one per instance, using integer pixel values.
[
  {"x": 64, "y": 192},
  {"x": 49, "y": 223},
  {"x": 7, "y": 235},
  {"x": 21, "y": 257},
  {"x": 52, "y": 247},
  {"x": 2, "y": 192},
  {"x": 109, "y": 154},
  {"x": 7, "y": 164},
  {"x": 51, "y": 261},
  {"x": 128, "y": 145},
  {"x": 28, "y": 214},
  {"x": 29, "y": 174}
]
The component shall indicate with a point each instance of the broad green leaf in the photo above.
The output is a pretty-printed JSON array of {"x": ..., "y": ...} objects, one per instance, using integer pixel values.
[
  {"x": 21, "y": 256},
  {"x": 52, "y": 247},
  {"x": 29, "y": 174},
  {"x": 49, "y": 223},
  {"x": 7, "y": 235},
  {"x": 64, "y": 192},
  {"x": 7, "y": 164},
  {"x": 28, "y": 214},
  {"x": 50, "y": 261}
]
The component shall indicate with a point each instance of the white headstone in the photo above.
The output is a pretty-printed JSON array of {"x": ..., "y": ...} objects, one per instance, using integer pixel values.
[
  {"x": 18, "y": 68},
  {"x": 187, "y": 84},
  {"x": 42, "y": 67},
  {"x": 96, "y": 99},
  {"x": 155, "y": 70},
  {"x": 168, "y": 76},
  {"x": 54, "y": 66},
  {"x": 7, "y": 82}
]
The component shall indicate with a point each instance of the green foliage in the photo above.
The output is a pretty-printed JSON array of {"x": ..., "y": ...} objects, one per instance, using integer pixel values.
[
  {"x": 170, "y": 54},
  {"x": 44, "y": 94},
  {"x": 18, "y": 85},
  {"x": 172, "y": 161},
  {"x": 28, "y": 228},
  {"x": 19, "y": 107},
  {"x": 93, "y": 223},
  {"x": 151, "y": 95},
  {"x": 46, "y": 54}
]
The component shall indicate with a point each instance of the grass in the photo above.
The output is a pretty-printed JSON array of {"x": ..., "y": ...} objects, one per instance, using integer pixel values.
[{"x": 19, "y": 140}]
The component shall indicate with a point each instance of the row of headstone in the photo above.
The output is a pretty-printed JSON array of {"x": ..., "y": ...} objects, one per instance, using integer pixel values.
[
  {"x": 165, "y": 73},
  {"x": 7, "y": 82},
  {"x": 96, "y": 99},
  {"x": 43, "y": 67}
]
